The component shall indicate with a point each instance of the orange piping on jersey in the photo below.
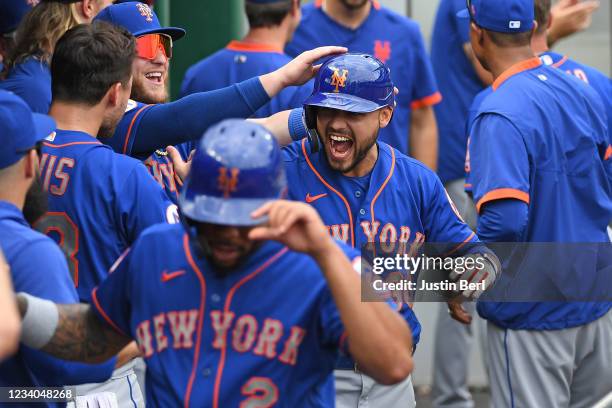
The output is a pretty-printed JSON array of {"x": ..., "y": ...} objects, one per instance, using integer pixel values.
[
  {"x": 346, "y": 204},
  {"x": 608, "y": 153},
  {"x": 384, "y": 184},
  {"x": 426, "y": 101},
  {"x": 458, "y": 247},
  {"x": 522, "y": 66},
  {"x": 252, "y": 47},
  {"x": 560, "y": 62},
  {"x": 375, "y": 3},
  {"x": 502, "y": 193},
  {"x": 94, "y": 297},
  {"x": 226, "y": 307},
  {"x": 196, "y": 355},
  {"x": 70, "y": 144},
  {"x": 129, "y": 132},
  {"x": 467, "y": 185}
]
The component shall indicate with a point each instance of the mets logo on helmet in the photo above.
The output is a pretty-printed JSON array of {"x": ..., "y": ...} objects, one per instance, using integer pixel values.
[
  {"x": 145, "y": 11},
  {"x": 338, "y": 80},
  {"x": 227, "y": 180}
]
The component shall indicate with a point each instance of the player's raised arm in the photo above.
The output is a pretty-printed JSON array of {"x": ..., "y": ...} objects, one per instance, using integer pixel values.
[
  {"x": 187, "y": 118},
  {"x": 70, "y": 332},
  {"x": 369, "y": 325}
]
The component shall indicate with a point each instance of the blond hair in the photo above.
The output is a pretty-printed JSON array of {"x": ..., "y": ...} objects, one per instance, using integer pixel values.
[{"x": 39, "y": 31}]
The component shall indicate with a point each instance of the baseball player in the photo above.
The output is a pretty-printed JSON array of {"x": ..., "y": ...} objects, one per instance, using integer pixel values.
[
  {"x": 366, "y": 191},
  {"x": 271, "y": 26},
  {"x": 149, "y": 124},
  {"x": 37, "y": 265},
  {"x": 224, "y": 307},
  {"x": 99, "y": 201},
  {"x": 27, "y": 66},
  {"x": 539, "y": 175},
  {"x": 365, "y": 26}
]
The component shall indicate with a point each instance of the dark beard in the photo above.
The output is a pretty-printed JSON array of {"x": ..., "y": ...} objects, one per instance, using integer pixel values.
[
  {"x": 353, "y": 7},
  {"x": 35, "y": 205}
]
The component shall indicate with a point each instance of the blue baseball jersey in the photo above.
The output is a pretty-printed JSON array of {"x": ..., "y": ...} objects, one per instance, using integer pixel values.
[
  {"x": 458, "y": 83},
  {"x": 39, "y": 268},
  {"x": 400, "y": 202},
  {"x": 591, "y": 76},
  {"x": 600, "y": 82},
  {"x": 31, "y": 81},
  {"x": 267, "y": 333},
  {"x": 526, "y": 144},
  {"x": 158, "y": 163},
  {"x": 393, "y": 39},
  {"x": 99, "y": 202},
  {"x": 237, "y": 62}
]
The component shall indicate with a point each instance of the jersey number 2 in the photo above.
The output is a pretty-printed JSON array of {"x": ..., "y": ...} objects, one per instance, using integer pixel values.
[
  {"x": 262, "y": 393},
  {"x": 61, "y": 224}
]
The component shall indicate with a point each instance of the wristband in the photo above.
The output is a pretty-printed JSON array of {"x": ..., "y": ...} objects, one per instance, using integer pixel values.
[
  {"x": 297, "y": 128},
  {"x": 39, "y": 323}
]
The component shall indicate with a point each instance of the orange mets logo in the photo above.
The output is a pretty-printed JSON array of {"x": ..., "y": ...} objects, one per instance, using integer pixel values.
[
  {"x": 228, "y": 182},
  {"x": 337, "y": 79},
  {"x": 145, "y": 11},
  {"x": 382, "y": 50}
]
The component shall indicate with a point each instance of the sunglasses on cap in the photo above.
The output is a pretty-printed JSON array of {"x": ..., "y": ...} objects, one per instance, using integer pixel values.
[
  {"x": 470, "y": 10},
  {"x": 148, "y": 45}
]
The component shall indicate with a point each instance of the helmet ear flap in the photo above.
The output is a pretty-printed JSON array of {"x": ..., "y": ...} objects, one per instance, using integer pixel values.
[{"x": 310, "y": 119}]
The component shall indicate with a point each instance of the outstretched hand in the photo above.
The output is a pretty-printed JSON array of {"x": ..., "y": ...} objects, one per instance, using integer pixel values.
[
  {"x": 570, "y": 17},
  {"x": 298, "y": 71},
  {"x": 294, "y": 224}
]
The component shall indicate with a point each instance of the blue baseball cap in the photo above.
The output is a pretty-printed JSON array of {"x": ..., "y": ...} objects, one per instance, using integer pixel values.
[
  {"x": 138, "y": 18},
  {"x": 20, "y": 128},
  {"x": 12, "y": 12},
  {"x": 502, "y": 16}
]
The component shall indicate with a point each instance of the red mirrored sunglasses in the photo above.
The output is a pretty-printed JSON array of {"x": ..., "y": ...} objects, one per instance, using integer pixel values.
[{"x": 148, "y": 45}]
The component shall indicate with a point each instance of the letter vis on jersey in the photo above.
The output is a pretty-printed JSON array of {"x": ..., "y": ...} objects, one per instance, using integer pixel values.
[{"x": 266, "y": 338}]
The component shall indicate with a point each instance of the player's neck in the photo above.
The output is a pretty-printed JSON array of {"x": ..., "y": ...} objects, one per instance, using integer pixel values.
[
  {"x": 12, "y": 192},
  {"x": 505, "y": 59},
  {"x": 539, "y": 43},
  {"x": 275, "y": 38},
  {"x": 351, "y": 18},
  {"x": 77, "y": 117}
]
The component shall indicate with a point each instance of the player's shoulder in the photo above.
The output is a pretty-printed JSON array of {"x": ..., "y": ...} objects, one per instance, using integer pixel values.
[
  {"x": 33, "y": 245},
  {"x": 133, "y": 106},
  {"x": 396, "y": 21},
  {"x": 310, "y": 10},
  {"x": 293, "y": 151},
  {"x": 166, "y": 233}
]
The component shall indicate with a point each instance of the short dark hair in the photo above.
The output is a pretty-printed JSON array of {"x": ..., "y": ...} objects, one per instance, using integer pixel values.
[
  {"x": 89, "y": 59},
  {"x": 505, "y": 40},
  {"x": 267, "y": 15},
  {"x": 542, "y": 14}
]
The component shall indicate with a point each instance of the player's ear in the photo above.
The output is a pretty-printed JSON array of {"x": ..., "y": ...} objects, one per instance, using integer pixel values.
[
  {"x": 384, "y": 116},
  {"x": 476, "y": 33},
  {"x": 114, "y": 94},
  {"x": 31, "y": 164},
  {"x": 88, "y": 9}
]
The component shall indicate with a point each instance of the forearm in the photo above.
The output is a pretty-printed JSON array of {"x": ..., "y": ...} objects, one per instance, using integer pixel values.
[
  {"x": 9, "y": 324},
  {"x": 424, "y": 137},
  {"x": 77, "y": 333},
  {"x": 278, "y": 125},
  {"x": 188, "y": 118},
  {"x": 379, "y": 340}
]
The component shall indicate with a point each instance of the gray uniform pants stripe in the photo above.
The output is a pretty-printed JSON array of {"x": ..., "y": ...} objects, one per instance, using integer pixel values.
[{"x": 551, "y": 368}]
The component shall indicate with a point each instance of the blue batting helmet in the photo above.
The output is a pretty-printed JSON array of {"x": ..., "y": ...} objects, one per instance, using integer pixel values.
[
  {"x": 350, "y": 82},
  {"x": 237, "y": 167}
]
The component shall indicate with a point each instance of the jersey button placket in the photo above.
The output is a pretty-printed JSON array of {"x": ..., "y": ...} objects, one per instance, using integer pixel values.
[
  {"x": 362, "y": 211},
  {"x": 357, "y": 193}
]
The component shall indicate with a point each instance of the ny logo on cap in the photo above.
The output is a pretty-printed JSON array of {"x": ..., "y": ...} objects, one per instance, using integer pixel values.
[
  {"x": 227, "y": 183},
  {"x": 145, "y": 11},
  {"x": 338, "y": 80}
]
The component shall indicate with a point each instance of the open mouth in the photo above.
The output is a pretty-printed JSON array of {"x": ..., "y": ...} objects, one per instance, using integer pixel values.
[
  {"x": 155, "y": 77},
  {"x": 340, "y": 146},
  {"x": 224, "y": 253}
]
